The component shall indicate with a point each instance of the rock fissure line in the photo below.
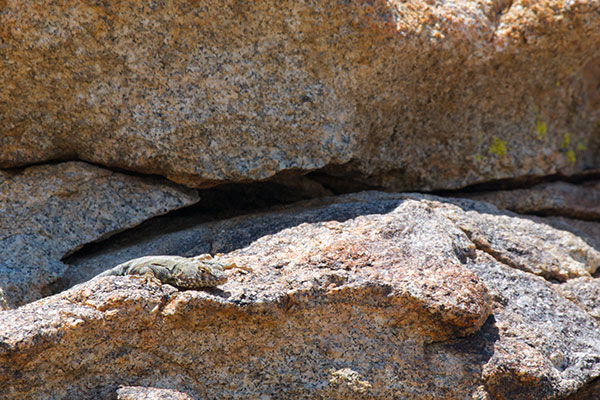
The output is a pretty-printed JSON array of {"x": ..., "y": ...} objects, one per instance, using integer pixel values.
[
  {"x": 251, "y": 193},
  {"x": 493, "y": 253},
  {"x": 320, "y": 176}
]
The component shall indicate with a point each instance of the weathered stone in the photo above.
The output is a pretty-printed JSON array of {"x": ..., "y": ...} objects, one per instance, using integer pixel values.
[
  {"x": 586, "y": 230},
  {"x": 588, "y": 392},
  {"x": 556, "y": 199},
  {"x": 420, "y": 94},
  {"x": 585, "y": 292},
  {"x": 371, "y": 295},
  {"x": 47, "y": 212},
  {"x": 523, "y": 243},
  {"x": 518, "y": 371},
  {"x": 144, "y": 393},
  {"x": 546, "y": 346}
]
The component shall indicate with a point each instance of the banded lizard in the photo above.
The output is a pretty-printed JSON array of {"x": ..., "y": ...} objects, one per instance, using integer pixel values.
[{"x": 184, "y": 273}]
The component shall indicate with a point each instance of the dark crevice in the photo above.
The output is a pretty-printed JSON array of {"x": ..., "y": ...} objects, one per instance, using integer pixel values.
[
  {"x": 556, "y": 212},
  {"x": 565, "y": 203},
  {"x": 486, "y": 248},
  {"x": 344, "y": 180},
  {"x": 524, "y": 182},
  {"x": 217, "y": 203},
  {"x": 53, "y": 161},
  {"x": 501, "y": 8},
  {"x": 228, "y": 200}
]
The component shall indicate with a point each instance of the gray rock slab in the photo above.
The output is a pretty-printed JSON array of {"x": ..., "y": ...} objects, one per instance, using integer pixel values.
[
  {"x": 580, "y": 201},
  {"x": 548, "y": 347},
  {"x": 49, "y": 211},
  {"x": 586, "y": 230},
  {"x": 370, "y": 295},
  {"x": 552, "y": 253}
]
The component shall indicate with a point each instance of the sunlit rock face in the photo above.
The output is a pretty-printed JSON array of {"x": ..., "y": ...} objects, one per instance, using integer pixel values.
[{"x": 404, "y": 95}]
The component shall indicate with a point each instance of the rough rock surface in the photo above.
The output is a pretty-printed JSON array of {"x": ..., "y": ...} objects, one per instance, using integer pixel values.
[
  {"x": 556, "y": 199},
  {"x": 524, "y": 244},
  {"x": 554, "y": 254},
  {"x": 365, "y": 296},
  {"x": 584, "y": 291},
  {"x": 144, "y": 393},
  {"x": 405, "y": 95},
  {"x": 587, "y": 230},
  {"x": 565, "y": 206},
  {"x": 47, "y": 212}
]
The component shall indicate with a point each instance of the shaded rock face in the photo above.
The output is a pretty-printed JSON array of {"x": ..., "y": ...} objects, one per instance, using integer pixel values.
[
  {"x": 363, "y": 296},
  {"x": 415, "y": 95},
  {"x": 555, "y": 199},
  {"x": 47, "y": 212}
]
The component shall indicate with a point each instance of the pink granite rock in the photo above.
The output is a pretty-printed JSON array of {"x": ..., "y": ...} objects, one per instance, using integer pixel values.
[
  {"x": 371, "y": 295},
  {"x": 403, "y": 95}
]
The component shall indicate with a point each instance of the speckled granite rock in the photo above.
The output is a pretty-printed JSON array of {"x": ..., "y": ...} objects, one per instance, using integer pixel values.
[
  {"x": 47, "y": 212},
  {"x": 524, "y": 243},
  {"x": 144, "y": 393},
  {"x": 556, "y": 199},
  {"x": 568, "y": 207},
  {"x": 364, "y": 296},
  {"x": 586, "y": 230},
  {"x": 420, "y": 94},
  {"x": 584, "y": 291},
  {"x": 547, "y": 347}
]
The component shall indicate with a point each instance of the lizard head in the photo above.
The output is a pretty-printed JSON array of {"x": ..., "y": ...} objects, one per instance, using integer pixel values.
[{"x": 196, "y": 273}]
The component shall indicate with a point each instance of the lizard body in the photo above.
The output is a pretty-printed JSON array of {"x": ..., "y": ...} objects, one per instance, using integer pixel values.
[{"x": 184, "y": 273}]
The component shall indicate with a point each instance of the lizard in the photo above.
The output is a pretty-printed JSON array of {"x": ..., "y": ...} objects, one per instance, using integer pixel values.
[{"x": 183, "y": 273}]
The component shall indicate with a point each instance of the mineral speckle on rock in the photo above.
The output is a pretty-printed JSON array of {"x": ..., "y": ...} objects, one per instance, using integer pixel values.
[
  {"x": 146, "y": 393},
  {"x": 369, "y": 295},
  {"x": 50, "y": 211},
  {"x": 585, "y": 292}
]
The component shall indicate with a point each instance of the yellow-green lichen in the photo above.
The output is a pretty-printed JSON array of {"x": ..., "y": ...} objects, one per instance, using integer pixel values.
[
  {"x": 557, "y": 83},
  {"x": 478, "y": 157},
  {"x": 581, "y": 147},
  {"x": 571, "y": 156},
  {"x": 498, "y": 147},
  {"x": 540, "y": 128},
  {"x": 566, "y": 140}
]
